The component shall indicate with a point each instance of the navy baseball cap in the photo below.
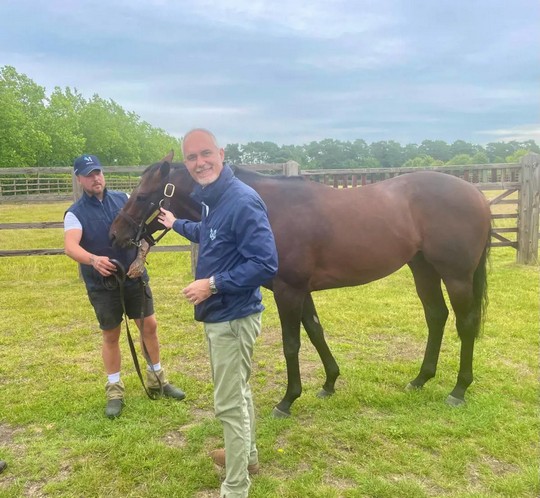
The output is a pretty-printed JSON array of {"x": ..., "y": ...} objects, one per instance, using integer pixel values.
[{"x": 84, "y": 165}]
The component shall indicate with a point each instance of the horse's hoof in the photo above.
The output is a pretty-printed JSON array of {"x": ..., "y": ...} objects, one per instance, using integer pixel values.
[
  {"x": 323, "y": 394},
  {"x": 277, "y": 413},
  {"x": 411, "y": 387},
  {"x": 455, "y": 402}
]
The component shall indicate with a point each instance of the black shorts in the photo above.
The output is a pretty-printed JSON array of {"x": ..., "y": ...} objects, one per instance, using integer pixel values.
[{"x": 108, "y": 305}]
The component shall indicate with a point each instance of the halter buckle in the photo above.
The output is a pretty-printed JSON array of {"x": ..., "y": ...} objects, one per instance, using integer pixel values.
[{"x": 169, "y": 190}]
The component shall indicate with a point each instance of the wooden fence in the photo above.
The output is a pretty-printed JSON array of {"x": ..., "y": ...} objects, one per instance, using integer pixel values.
[{"x": 517, "y": 186}]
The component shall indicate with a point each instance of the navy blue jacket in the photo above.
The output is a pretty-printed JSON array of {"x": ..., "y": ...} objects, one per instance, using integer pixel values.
[
  {"x": 236, "y": 246},
  {"x": 96, "y": 218}
]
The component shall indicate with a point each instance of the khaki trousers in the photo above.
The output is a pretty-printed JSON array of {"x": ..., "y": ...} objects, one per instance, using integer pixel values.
[{"x": 230, "y": 345}]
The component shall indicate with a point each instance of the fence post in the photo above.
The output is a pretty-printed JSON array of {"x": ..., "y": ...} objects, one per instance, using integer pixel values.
[
  {"x": 291, "y": 168},
  {"x": 529, "y": 210},
  {"x": 77, "y": 189}
]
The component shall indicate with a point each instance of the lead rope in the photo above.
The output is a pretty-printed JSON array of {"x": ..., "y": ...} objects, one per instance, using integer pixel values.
[{"x": 119, "y": 280}]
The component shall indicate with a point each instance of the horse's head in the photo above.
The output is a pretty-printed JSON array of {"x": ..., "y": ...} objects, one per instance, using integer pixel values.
[{"x": 162, "y": 185}]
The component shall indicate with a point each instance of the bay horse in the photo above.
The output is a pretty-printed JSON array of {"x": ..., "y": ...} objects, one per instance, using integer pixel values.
[{"x": 437, "y": 224}]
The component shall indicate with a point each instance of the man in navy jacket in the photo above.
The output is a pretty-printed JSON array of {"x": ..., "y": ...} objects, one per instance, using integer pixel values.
[{"x": 237, "y": 254}]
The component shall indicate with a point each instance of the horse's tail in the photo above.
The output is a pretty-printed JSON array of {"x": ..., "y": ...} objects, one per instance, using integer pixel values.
[{"x": 480, "y": 286}]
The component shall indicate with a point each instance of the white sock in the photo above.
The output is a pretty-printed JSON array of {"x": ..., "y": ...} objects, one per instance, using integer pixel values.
[
  {"x": 154, "y": 368},
  {"x": 114, "y": 378}
]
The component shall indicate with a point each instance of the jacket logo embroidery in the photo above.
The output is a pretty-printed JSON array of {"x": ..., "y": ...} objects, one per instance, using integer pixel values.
[{"x": 213, "y": 233}]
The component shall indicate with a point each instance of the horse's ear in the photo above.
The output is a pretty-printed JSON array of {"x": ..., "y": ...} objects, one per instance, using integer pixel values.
[
  {"x": 166, "y": 164},
  {"x": 169, "y": 157},
  {"x": 164, "y": 169}
]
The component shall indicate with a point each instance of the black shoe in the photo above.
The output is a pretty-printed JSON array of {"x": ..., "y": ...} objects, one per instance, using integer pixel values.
[
  {"x": 3, "y": 466},
  {"x": 170, "y": 391},
  {"x": 114, "y": 408}
]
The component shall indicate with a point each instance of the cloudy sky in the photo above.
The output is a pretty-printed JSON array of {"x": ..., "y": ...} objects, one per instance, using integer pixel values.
[{"x": 293, "y": 71}]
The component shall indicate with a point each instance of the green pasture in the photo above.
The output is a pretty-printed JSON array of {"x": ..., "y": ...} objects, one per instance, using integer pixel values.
[{"x": 371, "y": 439}]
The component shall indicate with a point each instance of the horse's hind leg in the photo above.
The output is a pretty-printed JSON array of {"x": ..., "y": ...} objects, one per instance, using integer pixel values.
[
  {"x": 428, "y": 287},
  {"x": 468, "y": 316},
  {"x": 315, "y": 332}
]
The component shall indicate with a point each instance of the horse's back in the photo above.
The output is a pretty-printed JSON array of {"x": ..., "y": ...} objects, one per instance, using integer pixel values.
[
  {"x": 329, "y": 237},
  {"x": 451, "y": 216}
]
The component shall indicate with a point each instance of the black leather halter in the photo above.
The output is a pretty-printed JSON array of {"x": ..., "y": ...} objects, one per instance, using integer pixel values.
[{"x": 151, "y": 212}]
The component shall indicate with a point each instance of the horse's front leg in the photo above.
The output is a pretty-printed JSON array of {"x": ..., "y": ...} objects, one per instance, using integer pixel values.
[
  {"x": 289, "y": 304},
  {"x": 315, "y": 332}
]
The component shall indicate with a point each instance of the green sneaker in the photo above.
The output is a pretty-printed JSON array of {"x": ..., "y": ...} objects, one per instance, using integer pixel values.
[
  {"x": 169, "y": 390},
  {"x": 115, "y": 399},
  {"x": 114, "y": 407}
]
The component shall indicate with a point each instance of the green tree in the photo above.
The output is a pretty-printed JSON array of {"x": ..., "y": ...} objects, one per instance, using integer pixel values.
[
  {"x": 388, "y": 153},
  {"x": 410, "y": 151},
  {"x": 480, "y": 157},
  {"x": 531, "y": 146},
  {"x": 498, "y": 151},
  {"x": 437, "y": 149},
  {"x": 233, "y": 153},
  {"x": 155, "y": 143},
  {"x": 359, "y": 153},
  {"x": 22, "y": 139},
  {"x": 462, "y": 147},
  {"x": 327, "y": 154},
  {"x": 461, "y": 159},
  {"x": 61, "y": 120},
  {"x": 110, "y": 132},
  {"x": 295, "y": 153},
  {"x": 422, "y": 161},
  {"x": 370, "y": 162},
  {"x": 516, "y": 156},
  {"x": 261, "y": 152}
]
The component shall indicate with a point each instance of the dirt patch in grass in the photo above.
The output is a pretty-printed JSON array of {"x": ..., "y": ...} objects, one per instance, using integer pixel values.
[
  {"x": 175, "y": 439},
  {"x": 497, "y": 467},
  {"x": 339, "y": 483},
  {"x": 397, "y": 347},
  {"x": 6, "y": 434}
]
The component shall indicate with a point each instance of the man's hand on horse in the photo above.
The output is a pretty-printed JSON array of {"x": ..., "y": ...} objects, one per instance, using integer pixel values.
[{"x": 166, "y": 218}]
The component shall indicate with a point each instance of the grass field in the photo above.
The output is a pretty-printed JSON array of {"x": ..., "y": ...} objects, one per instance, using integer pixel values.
[{"x": 371, "y": 439}]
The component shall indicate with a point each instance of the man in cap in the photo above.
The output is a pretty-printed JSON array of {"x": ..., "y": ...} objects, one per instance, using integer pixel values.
[{"x": 86, "y": 240}]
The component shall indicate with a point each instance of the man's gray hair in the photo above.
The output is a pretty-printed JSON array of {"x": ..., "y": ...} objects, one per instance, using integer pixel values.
[{"x": 201, "y": 130}]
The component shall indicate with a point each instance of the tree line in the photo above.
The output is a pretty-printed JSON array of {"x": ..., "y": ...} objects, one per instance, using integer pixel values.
[
  {"x": 330, "y": 154},
  {"x": 37, "y": 129}
]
